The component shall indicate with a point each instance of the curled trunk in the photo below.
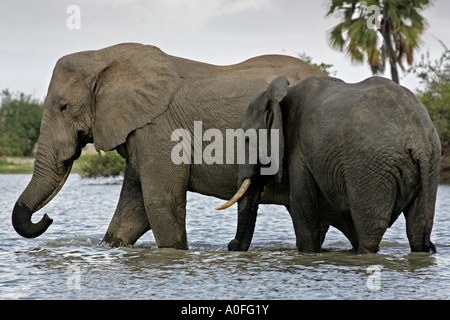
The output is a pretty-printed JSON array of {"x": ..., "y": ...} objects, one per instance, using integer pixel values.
[{"x": 43, "y": 187}]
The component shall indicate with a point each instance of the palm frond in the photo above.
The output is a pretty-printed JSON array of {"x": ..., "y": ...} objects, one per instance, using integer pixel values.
[{"x": 403, "y": 26}]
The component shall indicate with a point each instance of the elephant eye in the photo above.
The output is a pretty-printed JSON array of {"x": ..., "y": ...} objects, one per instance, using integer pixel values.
[{"x": 63, "y": 107}]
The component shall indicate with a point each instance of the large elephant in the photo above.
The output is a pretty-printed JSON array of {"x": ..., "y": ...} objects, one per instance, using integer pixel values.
[
  {"x": 131, "y": 97},
  {"x": 356, "y": 156}
]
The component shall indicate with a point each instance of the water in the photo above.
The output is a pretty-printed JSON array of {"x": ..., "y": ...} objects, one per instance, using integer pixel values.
[{"x": 67, "y": 262}]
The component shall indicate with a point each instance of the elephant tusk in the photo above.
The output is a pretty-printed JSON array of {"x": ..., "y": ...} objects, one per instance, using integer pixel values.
[
  {"x": 60, "y": 185},
  {"x": 238, "y": 195}
]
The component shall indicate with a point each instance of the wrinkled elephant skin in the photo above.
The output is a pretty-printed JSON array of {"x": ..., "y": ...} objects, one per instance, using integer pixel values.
[
  {"x": 356, "y": 156},
  {"x": 131, "y": 97}
]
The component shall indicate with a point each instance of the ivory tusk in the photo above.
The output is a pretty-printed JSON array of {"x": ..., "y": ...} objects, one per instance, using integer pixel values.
[
  {"x": 60, "y": 185},
  {"x": 238, "y": 195}
]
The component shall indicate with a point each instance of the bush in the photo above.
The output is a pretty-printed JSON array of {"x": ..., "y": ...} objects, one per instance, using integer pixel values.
[
  {"x": 20, "y": 122},
  {"x": 324, "y": 67},
  {"x": 4, "y": 162},
  {"x": 435, "y": 77},
  {"x": 109, "y": 164},
  {"x": 435, "y": 95}
]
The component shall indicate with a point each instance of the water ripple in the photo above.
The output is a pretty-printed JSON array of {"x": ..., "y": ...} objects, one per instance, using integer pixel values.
[{"x": 68, "y": 262}]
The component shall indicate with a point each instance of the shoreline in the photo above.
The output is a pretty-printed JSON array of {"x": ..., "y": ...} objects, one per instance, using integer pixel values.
[{"x": 25, "y": 165}]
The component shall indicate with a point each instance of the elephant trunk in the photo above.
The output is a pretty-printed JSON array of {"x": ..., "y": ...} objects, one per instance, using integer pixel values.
[{"x": 43, "y": 187}]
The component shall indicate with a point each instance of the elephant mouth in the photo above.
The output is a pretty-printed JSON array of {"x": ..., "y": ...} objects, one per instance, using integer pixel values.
[{"x": 239, "y": 194}]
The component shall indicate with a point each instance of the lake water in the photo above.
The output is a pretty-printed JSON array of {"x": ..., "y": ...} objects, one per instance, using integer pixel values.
[{"x": 67, "y": 261}]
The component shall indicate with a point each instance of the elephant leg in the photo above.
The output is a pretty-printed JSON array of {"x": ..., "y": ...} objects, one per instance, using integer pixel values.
[
  {"x": 163, "y": 183},
  {"x": 164, "y": 188},
  {"x": 323, "y": 232},
  {"x": 371, "y": 205},
  {"x": 247, "y": 213},
  {"x": 347, "y": 227},
  {"x": 165, "y": 204},
  {"x": 341, "y": 220},
  {"x": 418, "y": 228},
  {"x": 130, "y": 221},
  {"x": 304, "y": 210}
]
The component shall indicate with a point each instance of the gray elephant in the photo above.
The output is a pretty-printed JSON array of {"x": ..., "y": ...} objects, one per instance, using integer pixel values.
[
  {"x": 355, "y": 156},
  {"x": 131, "y": 97}
]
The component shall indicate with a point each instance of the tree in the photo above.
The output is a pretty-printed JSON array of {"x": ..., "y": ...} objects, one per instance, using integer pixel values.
[
  {"x": 20, "y": 121},
  {"x": 435, "y": 94},
  {"x": 379, "y": 30},
  {"x": 325, "y": 67}
]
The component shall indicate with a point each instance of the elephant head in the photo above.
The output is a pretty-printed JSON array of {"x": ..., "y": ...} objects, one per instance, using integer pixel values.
[
  {"x": 94, "y": 96},
  {"x": 263, "y": 115}
]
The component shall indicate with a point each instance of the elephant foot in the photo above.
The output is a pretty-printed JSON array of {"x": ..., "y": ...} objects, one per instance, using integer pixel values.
[
  {"x": 236, "y": 245},
  {"x": 423, "y": 247},
  {"x": 431, "y": 248},
  {"x": 114, "y": 242},
  {"x": 111, "y": 241}
]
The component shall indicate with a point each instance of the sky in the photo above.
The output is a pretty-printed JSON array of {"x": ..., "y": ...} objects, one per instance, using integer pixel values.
[{"x": 35, "y": 34}]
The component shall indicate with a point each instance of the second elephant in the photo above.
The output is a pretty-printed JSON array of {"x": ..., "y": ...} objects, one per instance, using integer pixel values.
[{"x": 356, "y": 156}]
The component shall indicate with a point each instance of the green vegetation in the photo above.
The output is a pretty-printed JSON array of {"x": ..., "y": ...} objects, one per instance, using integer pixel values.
[
  {"x": 16, "y": 165},
  {"x": 435, "y": 95},
  {"x": 92, "y": 165},
  {"x": 325, "y": 67},
  {"x": 378, "y": 30},
  {"x": 20, "y": 121},
  {"x": 89, "y": 165}
]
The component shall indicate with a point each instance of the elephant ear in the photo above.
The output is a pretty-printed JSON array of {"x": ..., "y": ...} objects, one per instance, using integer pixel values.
[
  {"x": 136, "y": 86},
  {"x": 275, "y": 93}
]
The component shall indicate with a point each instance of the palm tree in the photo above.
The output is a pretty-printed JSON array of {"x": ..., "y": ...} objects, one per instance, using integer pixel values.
[{"x": 399, "y": 26}]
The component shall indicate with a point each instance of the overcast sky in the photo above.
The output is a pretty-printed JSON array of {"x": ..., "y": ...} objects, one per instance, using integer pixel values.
[{"x": 34, "y": 34}]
